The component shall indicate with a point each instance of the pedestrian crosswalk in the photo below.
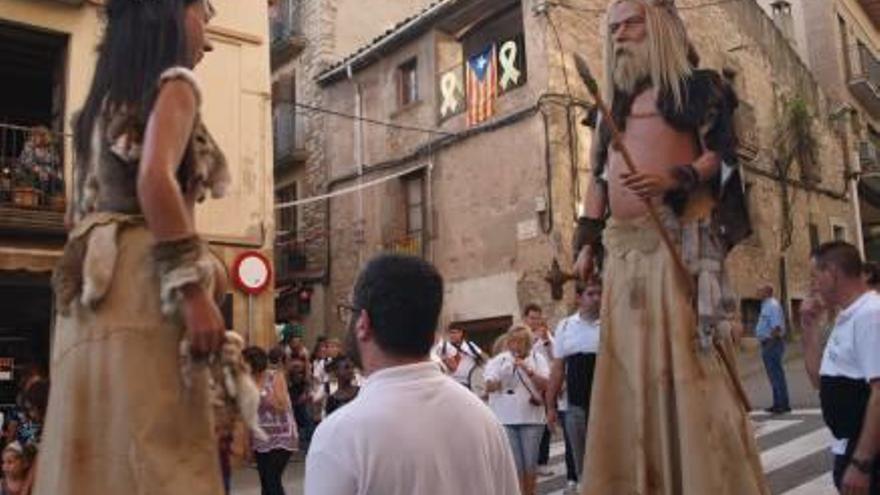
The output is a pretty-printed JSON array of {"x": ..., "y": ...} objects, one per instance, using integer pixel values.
[{"x": 793, "y": 449}]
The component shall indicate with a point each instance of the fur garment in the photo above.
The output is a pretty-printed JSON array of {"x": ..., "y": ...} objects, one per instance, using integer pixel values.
[{"x": 235, "y": 395}]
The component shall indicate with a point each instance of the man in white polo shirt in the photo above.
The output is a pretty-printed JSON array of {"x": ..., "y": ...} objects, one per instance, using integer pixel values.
[
  {"x": 411, "y": 430},
  {"x": 850, "y": 371},
  {"x": 574, "y": 360}
]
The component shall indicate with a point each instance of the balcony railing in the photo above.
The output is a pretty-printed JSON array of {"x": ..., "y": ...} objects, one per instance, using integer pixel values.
[
  {"x": 32, "y": 181},
  {"x": 864, "y": 80},
  {"x": 290, "y": 259},
  {"x": 410, "y": 244},
  {"x": 285, "y": 25},
  {"x": 288, "y": 135}
]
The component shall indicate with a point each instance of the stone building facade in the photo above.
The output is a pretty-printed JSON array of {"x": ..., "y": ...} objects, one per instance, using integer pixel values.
[
  {"x": 308, "y": 36},
  {"x": 493, "y": 204},
  {"x": 840, "y": 42},
  {"x": 47, "y": 57}
]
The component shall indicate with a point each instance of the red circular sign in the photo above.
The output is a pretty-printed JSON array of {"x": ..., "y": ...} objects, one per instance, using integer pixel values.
[{"x": 251, "y": 272}]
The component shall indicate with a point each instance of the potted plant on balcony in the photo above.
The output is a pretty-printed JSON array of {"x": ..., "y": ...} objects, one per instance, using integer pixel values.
[
  {"x": 5, "y": 184},
  {"x": 26, "y": 190}
]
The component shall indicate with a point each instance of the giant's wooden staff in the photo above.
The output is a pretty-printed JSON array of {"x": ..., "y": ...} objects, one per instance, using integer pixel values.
[
  {"x": 584, "y": 71},
  {"x": 616, "y": 141}
]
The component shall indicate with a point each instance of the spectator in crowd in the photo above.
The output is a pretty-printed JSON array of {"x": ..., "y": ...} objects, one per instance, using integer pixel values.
[
  {"x": 533, "y": 317},
  {"x": 276, "y": 418},
  {"x": 575, "y": 348},
  {"x": 516, "y": 380},
  {"x": 343, "y": 370},
  {"x": 334, "y": 349},
  {"x": 35, "y": 400},
  {"x": 17, "y": 424},
  {"x": 17, "y": 462},
  {"x": 321, "y": 377},
  {"x": 299, "y": 386},
  {"x": 459, "y": 355},
  {"x": 770, "y": 331},
  {"x": 41, "y": 161},
  {"x": 410, "y": 430},
  {"x": 292, "y": 338},
  {"x": 849, "y": 375}
]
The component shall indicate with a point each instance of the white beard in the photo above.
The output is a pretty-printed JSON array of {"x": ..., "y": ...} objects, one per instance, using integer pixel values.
[{"x": 632, "y": 66}]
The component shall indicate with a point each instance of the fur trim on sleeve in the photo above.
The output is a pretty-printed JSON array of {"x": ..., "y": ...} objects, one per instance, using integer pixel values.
[{"x": 183, "y": 74}]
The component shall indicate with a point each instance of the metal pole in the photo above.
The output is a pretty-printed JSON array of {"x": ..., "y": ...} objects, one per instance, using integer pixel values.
[{"x": 250, "y": 325}]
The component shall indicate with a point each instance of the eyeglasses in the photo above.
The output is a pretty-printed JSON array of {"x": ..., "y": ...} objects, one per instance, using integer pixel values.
[{"x": 345, "y": 312}]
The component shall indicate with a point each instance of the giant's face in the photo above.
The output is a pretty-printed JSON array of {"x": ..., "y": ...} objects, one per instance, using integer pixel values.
[
  {"x": 196, "y": 17},
  {"x": 629, "y": 35}
]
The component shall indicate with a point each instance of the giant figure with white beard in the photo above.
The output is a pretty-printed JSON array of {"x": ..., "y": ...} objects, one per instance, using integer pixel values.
[{"x": 668, "y": 413}]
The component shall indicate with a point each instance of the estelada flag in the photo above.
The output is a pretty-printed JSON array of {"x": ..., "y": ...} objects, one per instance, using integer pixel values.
[{"x": 482, "y": 85}]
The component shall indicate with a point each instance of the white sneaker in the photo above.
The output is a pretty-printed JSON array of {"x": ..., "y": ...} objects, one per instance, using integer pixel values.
[{"x": 571, "y": 487}]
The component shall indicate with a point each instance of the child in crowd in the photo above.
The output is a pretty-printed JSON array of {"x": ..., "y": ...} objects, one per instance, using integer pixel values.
[
  {"x": 16, "y": 470},
  {"x": 343, "y": 369}
]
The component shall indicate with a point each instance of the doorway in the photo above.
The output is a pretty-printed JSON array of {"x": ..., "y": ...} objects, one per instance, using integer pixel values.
[{"x": 25, "y": 327}]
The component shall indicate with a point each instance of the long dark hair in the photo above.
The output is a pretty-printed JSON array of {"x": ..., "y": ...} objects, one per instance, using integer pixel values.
[{"x": 142, "y": 39}]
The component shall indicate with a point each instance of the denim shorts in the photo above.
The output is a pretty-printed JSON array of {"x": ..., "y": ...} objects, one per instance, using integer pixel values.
[{"x": 525, "y": 442}]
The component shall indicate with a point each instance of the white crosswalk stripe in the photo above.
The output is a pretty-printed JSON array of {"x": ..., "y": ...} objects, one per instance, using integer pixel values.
[{"x": 794, "y": 454}]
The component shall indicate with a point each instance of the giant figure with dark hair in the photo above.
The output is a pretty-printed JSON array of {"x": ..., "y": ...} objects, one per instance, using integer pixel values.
[
  {"x": 135, "y": 278},
  {"x": 668, "y": 412}
]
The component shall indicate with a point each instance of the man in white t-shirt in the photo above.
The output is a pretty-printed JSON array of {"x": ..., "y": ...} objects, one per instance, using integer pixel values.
[
  {"x": 459, "y": 355},
  {"x": 850, "y": 372},
  {"x": 411, "y": 430},
  {"x": 575, "y": 345}
]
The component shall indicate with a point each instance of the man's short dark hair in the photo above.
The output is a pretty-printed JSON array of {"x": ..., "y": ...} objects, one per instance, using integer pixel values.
[
  {"x": 532, "y": 307},
  {"x": 402, "y": 296},
  {"x": 840, "y": 254},
  {"x": 256, "y": 358},
  {"x": 276, "y": 355}
]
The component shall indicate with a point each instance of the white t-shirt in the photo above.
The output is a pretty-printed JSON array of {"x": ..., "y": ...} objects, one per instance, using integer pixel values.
[
  {"x": 575, "y": 335},
  {"x": 468, "y": 351},
  {"x": 544, "y": 347},
  {"x": 511, "y": 403},
  {"x": 853, "y": 349},
  {"x": 411, "y": 430}
]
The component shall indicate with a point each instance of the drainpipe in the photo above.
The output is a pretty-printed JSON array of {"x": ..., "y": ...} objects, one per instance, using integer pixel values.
[
  {"x": 428, "y": 231},
  {"x": 359, "y": 160},
  {"x": 857, "y": 212}
]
